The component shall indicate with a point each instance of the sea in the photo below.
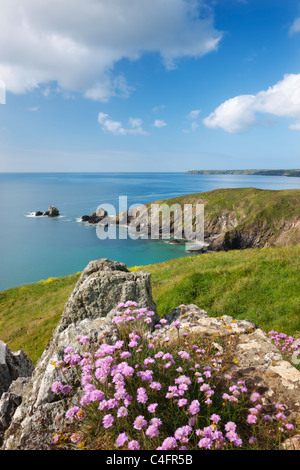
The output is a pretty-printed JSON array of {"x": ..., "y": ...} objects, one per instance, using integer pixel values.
[{"x": 35, "y": 248}]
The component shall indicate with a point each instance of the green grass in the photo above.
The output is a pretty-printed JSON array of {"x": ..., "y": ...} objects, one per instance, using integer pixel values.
[
  {"x": 260, "y": 285},
  {"x": 247, "y": 204},
  {"x": 28, "y": 314}
]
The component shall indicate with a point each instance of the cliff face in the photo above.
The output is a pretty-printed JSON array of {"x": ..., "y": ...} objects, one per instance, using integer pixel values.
[
  {"x": 233, "y": 218},
  {"x": 90, "y": 310}
]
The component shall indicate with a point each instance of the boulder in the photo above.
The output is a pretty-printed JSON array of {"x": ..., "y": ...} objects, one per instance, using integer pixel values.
[{"x": 89, "y": 311}]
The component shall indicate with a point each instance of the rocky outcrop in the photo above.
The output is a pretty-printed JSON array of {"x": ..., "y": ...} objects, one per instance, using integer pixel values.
[
  {"x": 51, "y": 212},
  {"x": 95, "y": 217},
  {"x": 90, "y": 310}
]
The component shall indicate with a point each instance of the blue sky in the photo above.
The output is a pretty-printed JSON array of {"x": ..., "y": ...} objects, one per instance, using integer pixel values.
[{"x": 166, "y": 85}]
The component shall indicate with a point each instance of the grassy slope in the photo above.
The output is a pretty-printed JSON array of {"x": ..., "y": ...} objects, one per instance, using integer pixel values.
[
  {"x": 28, "y": 314},
  {"x": 256, "y": 284},
  {"x": 256, "y": 204}
]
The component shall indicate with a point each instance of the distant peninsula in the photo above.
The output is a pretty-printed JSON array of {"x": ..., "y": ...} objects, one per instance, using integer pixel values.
[{"x": 246, "y": 172}]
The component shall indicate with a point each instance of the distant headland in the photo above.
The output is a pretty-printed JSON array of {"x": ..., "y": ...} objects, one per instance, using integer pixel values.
[{"x": 246, "y": 172}]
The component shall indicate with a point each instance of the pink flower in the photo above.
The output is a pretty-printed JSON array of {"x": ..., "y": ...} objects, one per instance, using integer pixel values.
[
  {"x": 152, "y": 407},
  {"x": 152, "y": 431},
  {"x": 215, "y": 418},
  {"x": 255, "y": 396},
  {"x": 251, "y": 419},
  {"x": 139, "y": 422},
  {"x": 133, "y": 445},
  {"x": 107, "y": 421},
  {"x": 142, "y": 396},
  {"x": 75, "y": 437},
  {"x": 155, "y": 385},
  {"x": 194, "y": 407},
  {"x": 56, "y": 386},
  {"x": 230, "y": 426},
  {"x": 182, "y": 402},
  {"x": 122, "y": 412},
  {"x": 121, "y": 439},
  {"x": 169, "y": 443}
]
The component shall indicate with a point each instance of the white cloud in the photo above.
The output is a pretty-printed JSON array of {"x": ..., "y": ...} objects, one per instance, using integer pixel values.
[
  {"x": 116, "y": 127},
  {"x": 75, "y": 45},
  {"x": 295, "y": 28},
  {"x": 239, "y": 114},
  {"x": 159, "y": 123},
  {"x": 194, "y": 114},
  {"x": 158, "y": 108}
]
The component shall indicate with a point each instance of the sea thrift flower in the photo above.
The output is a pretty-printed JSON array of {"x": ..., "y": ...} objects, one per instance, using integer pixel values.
[
  {"x": 122, "y": 412},
  {"x": 182, "y": 402},
  {"x": 155, "y": 385},
  {"x": 215, "y": 418},
  {"x": 72, "y": 412},
  {"x": 169, "y": 443},
  {"x": 255, "y": 397},
  {"x": 75, "y": 437},
  {"x": 56, "y": 386},
  {"x": 83, "y": 339},
  {"x": 139, "y": 422},
  {"x": 107, "y": 421},
  {"x": 151, "y": 408},
  {"x": 289, "y": 426},
  {"x": 152, "y": 431},
  {"x": 230, "y": 426},
  {"x": 133, "y": 445},
  {"x": 251, "y": 419},
  {"x": 205, "y": 443},
  {"x": 121, "y": 439},
  {"x": 194, "y": 407},
  {"x": 182, "y": 433},
  {"x": 142, "y": 396}
]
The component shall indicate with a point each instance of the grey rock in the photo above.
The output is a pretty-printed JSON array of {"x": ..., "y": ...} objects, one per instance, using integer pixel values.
[
  {"x": 10, "y": 401},
  {"x": 12, "y": 366}
]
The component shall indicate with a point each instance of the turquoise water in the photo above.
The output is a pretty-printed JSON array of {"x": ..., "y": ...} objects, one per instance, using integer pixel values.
[{"x": 34, "y": 248}]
